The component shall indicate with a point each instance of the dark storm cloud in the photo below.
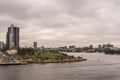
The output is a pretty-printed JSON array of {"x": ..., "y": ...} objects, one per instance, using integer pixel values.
[{"x": 62, "y": 22}]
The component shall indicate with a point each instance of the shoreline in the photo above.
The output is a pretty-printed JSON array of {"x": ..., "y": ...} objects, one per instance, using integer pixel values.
[
  {"x": 26, "y": 62},
  {"x": 55, "y": 61},
  {"x": 13, "y": 63}
]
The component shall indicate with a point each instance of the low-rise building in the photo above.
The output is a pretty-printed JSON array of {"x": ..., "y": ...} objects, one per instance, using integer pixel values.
[{"x": 11, "y": 52}]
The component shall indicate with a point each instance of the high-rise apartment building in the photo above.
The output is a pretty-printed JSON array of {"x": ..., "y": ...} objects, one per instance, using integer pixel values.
[
  {"x": 35, "y": 45},
  {"x": 12, "y": 37}
]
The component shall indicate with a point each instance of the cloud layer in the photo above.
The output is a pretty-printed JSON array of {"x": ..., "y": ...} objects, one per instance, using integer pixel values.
[{"x": 55, "y": 23}]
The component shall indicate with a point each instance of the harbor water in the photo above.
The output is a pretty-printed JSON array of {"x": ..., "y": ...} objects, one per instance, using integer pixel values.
[{"x": 98, "y": 66}]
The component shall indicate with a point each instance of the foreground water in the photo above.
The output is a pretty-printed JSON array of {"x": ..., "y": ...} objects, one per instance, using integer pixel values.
[{"x": 98, "y": 67}]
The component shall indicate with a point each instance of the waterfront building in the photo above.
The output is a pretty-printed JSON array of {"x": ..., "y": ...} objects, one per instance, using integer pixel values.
[
  {"x": 108, "y": 46},
  {"x": 64, "y": 49},
  {"x": 11, "y": 52},
  {"x": 72, "y": 48},
  {"x": 12, "y": 37}
]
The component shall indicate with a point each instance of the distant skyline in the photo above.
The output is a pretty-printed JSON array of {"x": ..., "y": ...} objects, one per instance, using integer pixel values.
[{"x": 54, "y": 23}]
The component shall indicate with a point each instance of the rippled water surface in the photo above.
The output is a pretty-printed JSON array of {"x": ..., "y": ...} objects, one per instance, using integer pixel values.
[{"x": 98, "y": 67}]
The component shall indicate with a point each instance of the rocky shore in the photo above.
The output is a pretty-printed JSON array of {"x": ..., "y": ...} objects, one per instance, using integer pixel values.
[
  {"x": 13, "y": 63},
  {"x": 28, "y": 61},
  {"x": 54, "y": 61}
]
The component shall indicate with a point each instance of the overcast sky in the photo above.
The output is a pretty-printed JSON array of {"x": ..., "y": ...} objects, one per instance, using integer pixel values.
[{"x": 55, "y": 23}]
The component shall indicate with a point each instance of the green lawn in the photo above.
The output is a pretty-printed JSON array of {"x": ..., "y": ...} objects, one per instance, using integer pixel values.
[{"x": 29, "y": 53}]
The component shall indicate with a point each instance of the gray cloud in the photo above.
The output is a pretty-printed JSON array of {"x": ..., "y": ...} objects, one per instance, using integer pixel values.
[{"x": 62, "y": 22}]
